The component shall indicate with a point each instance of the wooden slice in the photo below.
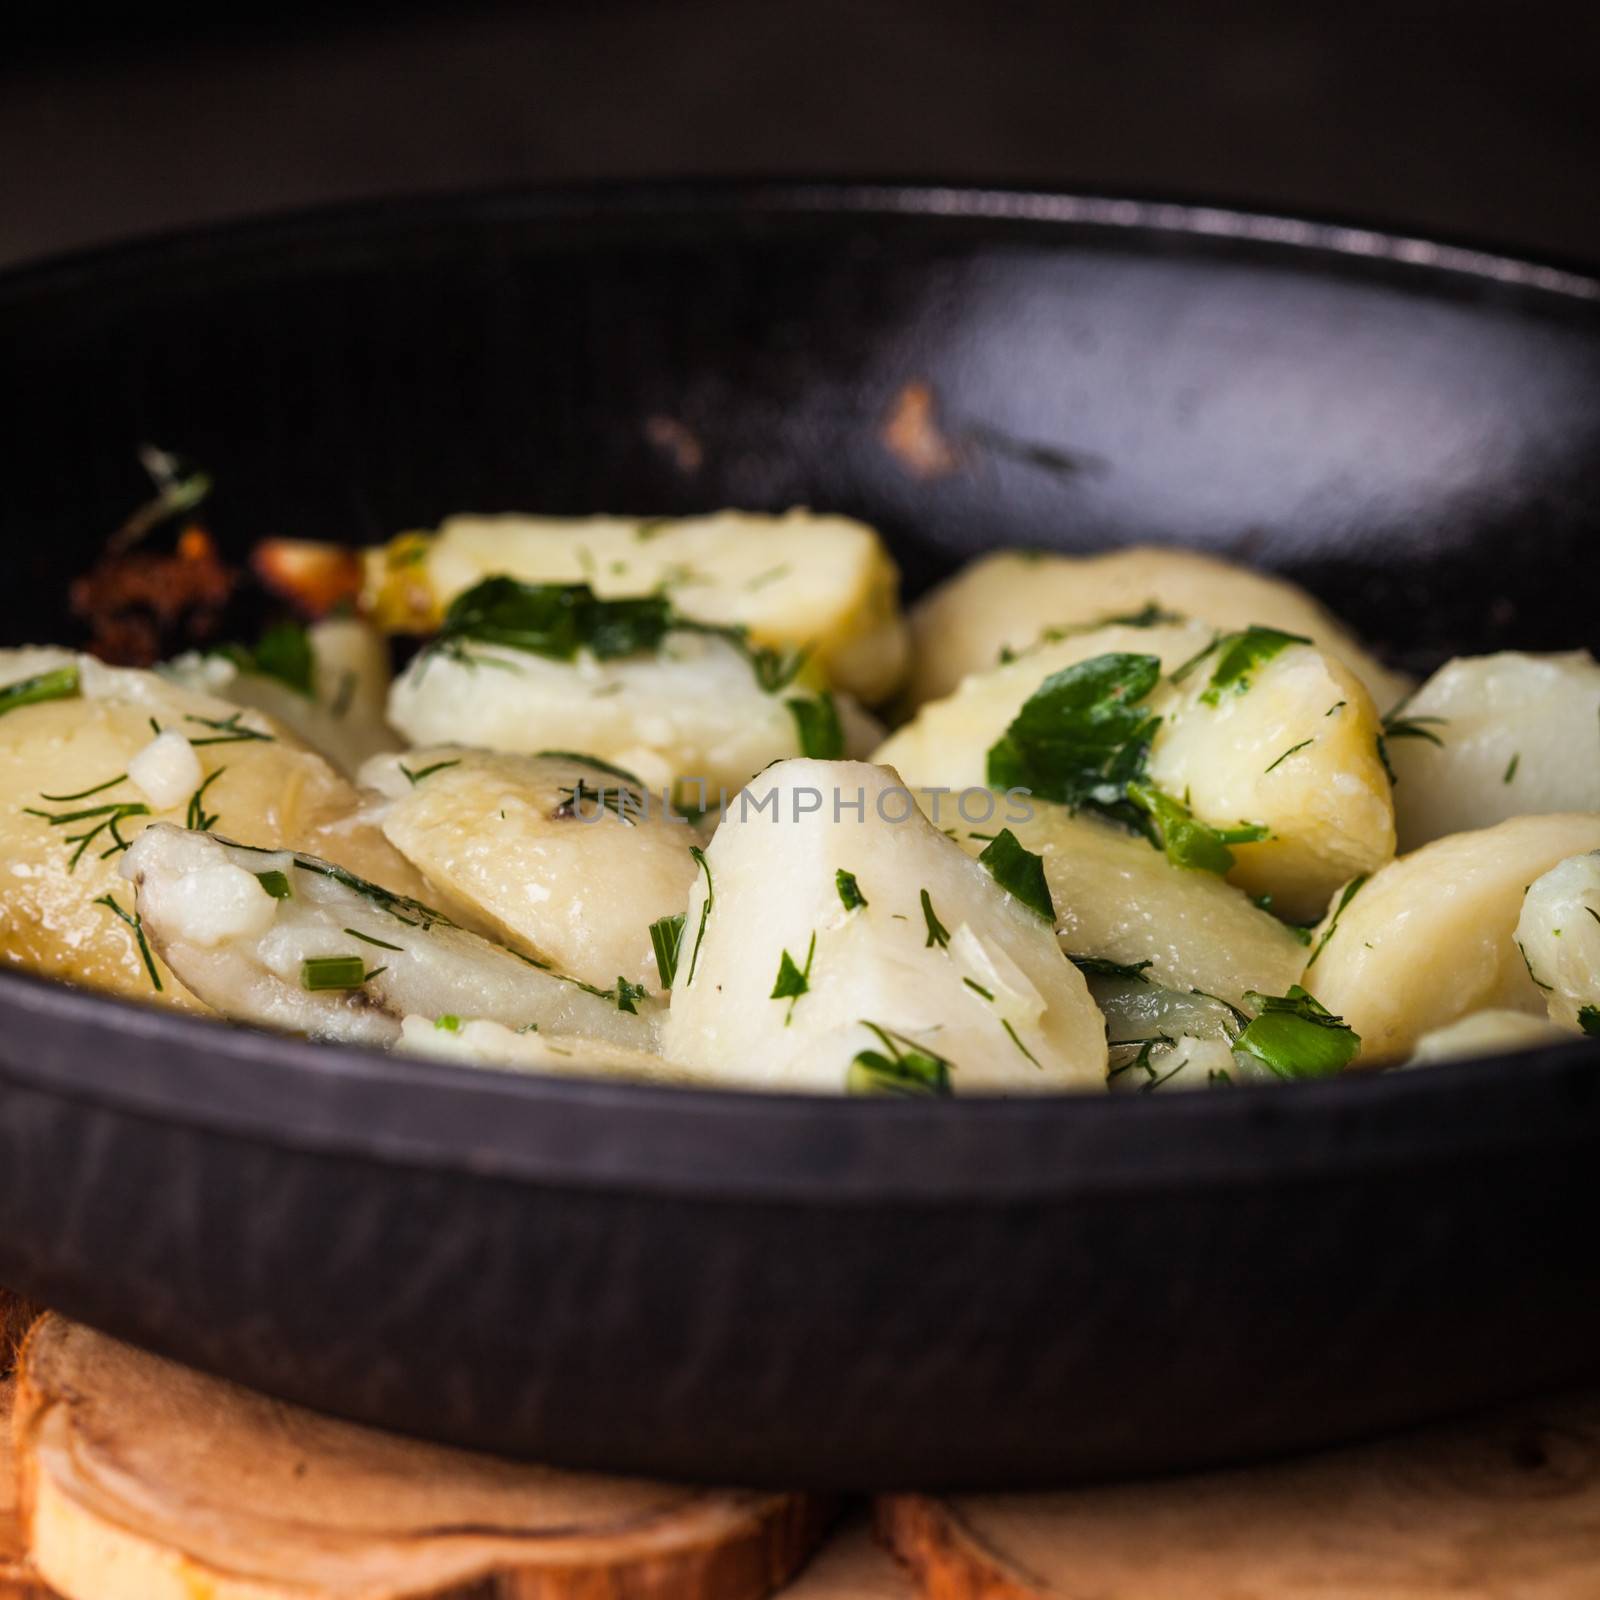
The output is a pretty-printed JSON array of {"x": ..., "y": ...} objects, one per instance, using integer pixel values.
[
  {"x": 16, "y": 1578},
  {"x": 143, "y": 1480},
  {"x": 1507, "y": 1507},
  {"x": 16, "y": 1317},
  {"x": 852, "y": 1565}
]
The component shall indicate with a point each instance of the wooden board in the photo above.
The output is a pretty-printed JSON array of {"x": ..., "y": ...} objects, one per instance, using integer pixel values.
[
  {"x": 16, "y": 1579},
  {"x": 16, "y": 1317},
  {"x": 142, "y": 1480},
  {"x": 1507, "y": 1508},
  {"x": 852, "y": 1565}
]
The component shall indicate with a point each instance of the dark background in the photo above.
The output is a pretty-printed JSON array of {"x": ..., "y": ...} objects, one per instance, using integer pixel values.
[{"x": 1481, "y": 120}]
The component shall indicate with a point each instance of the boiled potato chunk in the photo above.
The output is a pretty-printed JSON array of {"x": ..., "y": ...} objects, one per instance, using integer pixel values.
[
  {"x": 1517, "y": 737},
  {"x": 1485, "y": 1033},
  {"x": 1559, "y": 932},
  {"x": 822, "y": 583},
  {"x": 1293, "y": 748},
  {"x": 560, "y": 857},
  {"x": 98, "y": 753},
  {"x": 1432, "y": 936},
  {"x": 948, "y": 741},
  {"x": 939, "y": 965},
  {"x": 1007, "y": 600},
  {"x": 691, "y": 715},
  {"x": 1119, "y": 900},
  {"x": 261, "y": 950}
]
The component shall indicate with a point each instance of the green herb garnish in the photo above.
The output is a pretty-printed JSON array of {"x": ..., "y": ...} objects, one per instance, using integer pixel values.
[
  {"x": 283, "y": 653},
  {"x": 333, "y": 972},
  {"x": 1296, "y": 1036},
  {"x": 627, "y": 994},
  {"x": 1292, "y": 750},
  {"x": 817, "y": 723},
  {"x": 793, "y": 981},
  {"x": 938, "y": 934},
  {"x": 1185, "y": 839},
  {"x": 59, "y": 684},
  {"x": 107, "y": 819},
  {"x": 135, "y": 922},
  {"x": 901, "y": 1068},
  {"x": 1589, "y": 1020},
  {"x": 1239, "y": 654},
  {"x": 414, "y": 778},
  {"x": 705, "y": 911},
  {"x": 198, "y": 818},
  {"x": 1103, "y": 967},
  {"x": 276, "y": 884},
  {"x": 366, "y": 938},
  {"x": 1081, "y": 736},
  {"x": 850, "y": 895},
  {"x": 1346, "y": 896},
  {"x": 666, "y": 939},
  {"x": 228, "y": 730},
  {"x": 1511, "y": 767},
  {"x": 1019, "y": 872},
  {"x": 588, "y": 761},
  {"x": 448, "y": 1023}
]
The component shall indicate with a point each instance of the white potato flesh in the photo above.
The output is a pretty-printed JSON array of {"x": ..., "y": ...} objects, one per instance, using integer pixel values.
[
  {"x": 1520, "y": 736},
  {"x": 266, "y": 788},
  {"x": 1008, "y": 599},
  {"x": 345, "y": 719},
  {"x": 246, "y": 960},
  {"x": 1431, "y": 937},
  {"x": 1559, "y": 932},
  {"x": 559, "y": 857},
  {"x": 948, "y": 741},
  {"x": 1118, "y": 899},
  {"x": 769, "y": 887},
  {"x": 475, "y": 1042},
  {"x": 691, "y": 713},
  {"x": 1293, "y": 748},
  {"x": 802, "y": 580},
  {"x": 1485, "y": 1033}
]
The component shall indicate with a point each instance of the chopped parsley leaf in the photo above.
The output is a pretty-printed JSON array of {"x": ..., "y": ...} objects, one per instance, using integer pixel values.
[
  {"x": 666, "y": 939},
  {"x": 1020, "y": 873},
  {"x": 1296, "y": 1036}
]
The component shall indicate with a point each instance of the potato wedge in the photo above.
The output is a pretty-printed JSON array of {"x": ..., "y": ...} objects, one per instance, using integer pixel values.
[
  {"x": 1497, "y": 736},
  {"x": 1291, "y": 746},
  {"x": 1008, "y": 599},
  {"x": 86, "y": 765},
  {"x": 560, "y": 857},
  {"x": 1558, "y": 931},
  {"x": 802, "y": 580},
  {"x": 1431, "y": 937},
  {"x": 314, "y": 950},
  {"x": 1118, "y": 900},
  {"x": 920, "y": 972},
  {"x": 690, "y": 715}
]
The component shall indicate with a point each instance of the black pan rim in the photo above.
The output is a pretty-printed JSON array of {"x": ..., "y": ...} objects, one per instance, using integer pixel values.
[
  {"x": 286, "y": 1091},
  {"x": 1045, "y": 207}
]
